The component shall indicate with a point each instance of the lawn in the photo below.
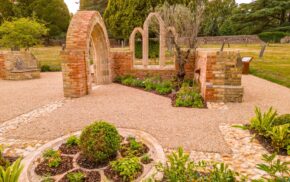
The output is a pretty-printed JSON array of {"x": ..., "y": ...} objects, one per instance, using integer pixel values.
[
  {"x": 49, "y": 56},
  {"x": 274, "y": 66}
]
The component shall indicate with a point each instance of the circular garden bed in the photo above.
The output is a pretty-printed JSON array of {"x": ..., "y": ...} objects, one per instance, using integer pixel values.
[{"x": 77, "y": 157}]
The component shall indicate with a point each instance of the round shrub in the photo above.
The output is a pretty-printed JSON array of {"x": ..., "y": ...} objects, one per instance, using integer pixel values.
[
  {"x": 281, "y": 120},
  {"x": 272, "y": 36},
  {"x": 100, "y": 141}
]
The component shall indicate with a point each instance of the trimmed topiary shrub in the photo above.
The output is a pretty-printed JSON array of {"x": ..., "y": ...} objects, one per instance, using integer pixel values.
[{"x": 100, "y": 141}]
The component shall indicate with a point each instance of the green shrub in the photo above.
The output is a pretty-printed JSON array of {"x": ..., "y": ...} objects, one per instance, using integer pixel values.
[
  {"x": 164, "y": 88},
  {"x": 150, "y": 83},
  {"x": 45, "y": 68},
  {"x": 128, "y": 81},
  {"x": 53, "y": 157},
  {"x": 11, "y": 173},
  {"x": 76, "y": 177},
  {"x": 188, "y": 97},
  {"x": 262, "y": 123},
  {"x": 100, "y": 141},
  {"x": 221, "y": 172},
  {"x": 146, "y": 159},
  {"x": 73, "y": 141},
  {"x": 127, "y": 168},
  {"x": 137, "y": 83},
  {"x": 281, "y": 120},
  {"x": 272, "y": 36}
]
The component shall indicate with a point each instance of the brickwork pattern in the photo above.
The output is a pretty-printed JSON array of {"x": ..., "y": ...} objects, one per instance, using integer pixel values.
[
  {"x": 86, "y": 27},
  {"x": 123, "y": 65},
  {"x": 219, "y": 74}
]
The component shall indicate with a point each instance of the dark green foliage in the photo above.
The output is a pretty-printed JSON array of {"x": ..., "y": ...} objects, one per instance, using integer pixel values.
[
  {"x": 153, "y": 49},
  {"x": 100, "y": 141},
  {"x": 150, "y": 83},
  {"x": 73, "y": 141},
  {"x": 76, "y": 177},
  {"x": 127, "y": 168},
  {"x": 138, "y": 50},
  {"x": 55, "y": 13},
  {"x": 133, "y": 148},
  {"x": 6, "y": 9},
  {"x": 274, "y": 37},
  {"x": 47, "y": 68},
  {"x": 221, "y": 172},
  {"x": 281, "y": 120},
  {"x": 53, "y": 157},
  {"x": 189, "y": 97},
  {"x": 98, "y": 5}
]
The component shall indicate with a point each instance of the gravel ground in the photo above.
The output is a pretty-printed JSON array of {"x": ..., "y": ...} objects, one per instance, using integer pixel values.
[
  {"x": 18, "y": 97},
  {"x": 194, "y": 129}
]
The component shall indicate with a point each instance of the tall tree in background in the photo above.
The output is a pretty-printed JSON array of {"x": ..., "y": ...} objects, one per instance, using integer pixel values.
[
  {"x": 122, "y": 16},
  {"x": 217, "y": 17},
  {"x": 54, "y": 13},
  {"x": 98, "y": 5},
  {"x": 6, "y": 10},
  {"x": 263, "y": 15}
]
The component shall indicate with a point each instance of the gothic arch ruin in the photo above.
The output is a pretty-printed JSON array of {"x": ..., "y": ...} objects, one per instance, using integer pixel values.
[{"x": 86, "y": 27}]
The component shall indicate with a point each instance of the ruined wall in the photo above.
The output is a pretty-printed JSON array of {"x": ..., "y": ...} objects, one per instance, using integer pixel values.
[
  {"x": 123, "y": 65},
  {"x": 219, "y": 74},
  {"x": 18, "y": 65}
]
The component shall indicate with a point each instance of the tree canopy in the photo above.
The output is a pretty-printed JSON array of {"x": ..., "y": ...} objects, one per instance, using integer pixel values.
[{"x": 23, "y": 32}]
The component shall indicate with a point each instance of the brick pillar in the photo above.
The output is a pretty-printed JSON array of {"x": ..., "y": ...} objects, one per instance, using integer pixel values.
[{"x": 2, "y": 66}]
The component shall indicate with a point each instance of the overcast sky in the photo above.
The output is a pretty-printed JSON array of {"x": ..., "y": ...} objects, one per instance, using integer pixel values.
[{"x": 73, "y": 5}]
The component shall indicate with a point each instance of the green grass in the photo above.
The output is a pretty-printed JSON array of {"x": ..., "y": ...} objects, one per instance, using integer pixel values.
[
  {"x": 48, "y": 56},
  {"x": 274, "y": 66}
]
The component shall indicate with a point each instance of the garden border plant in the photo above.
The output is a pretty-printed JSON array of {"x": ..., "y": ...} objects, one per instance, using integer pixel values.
[
  {"x": 186, "y": 96},
  {"x": 271, "y": 130}
]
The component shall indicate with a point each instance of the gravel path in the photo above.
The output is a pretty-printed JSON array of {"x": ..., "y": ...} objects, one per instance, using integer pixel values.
[
  {"x": 194, "y": 129},
  {"x": 18, "y": 97}
]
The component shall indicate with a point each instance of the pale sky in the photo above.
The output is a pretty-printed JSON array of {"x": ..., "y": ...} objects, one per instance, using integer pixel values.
[{"x": 73, "y": 5}]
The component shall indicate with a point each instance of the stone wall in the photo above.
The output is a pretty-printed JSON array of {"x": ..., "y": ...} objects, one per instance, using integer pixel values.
[
  {"x": 123, "y": 65},
  {"x": 236, "y": 39},
  {"x": 18, "y": 65},
  {"x": 219, "y": 74}
]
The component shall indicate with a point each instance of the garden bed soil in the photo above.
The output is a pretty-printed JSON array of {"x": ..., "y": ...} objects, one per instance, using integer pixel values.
[
  {"x": 266, "y": 143},
  {"x": 114, "y": 176},
  {"x": 83, "y": 162},
  {"x": 43, "y": 169},
  {"x": 70, "y": 150},
  {"x": 125, "y": 148},
  {"x": 90, "y": 176}
]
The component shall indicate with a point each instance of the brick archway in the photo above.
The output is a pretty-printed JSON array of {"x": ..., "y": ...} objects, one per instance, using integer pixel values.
[{"x": 86, "y": 27}]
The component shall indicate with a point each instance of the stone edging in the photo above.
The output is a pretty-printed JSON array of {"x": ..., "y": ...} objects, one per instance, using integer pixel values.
[{"x": 157, "y": 154}]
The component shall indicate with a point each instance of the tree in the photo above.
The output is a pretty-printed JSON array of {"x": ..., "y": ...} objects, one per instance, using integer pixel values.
[
  {"x": 21, "y": 33},
  {"x": 217, "y": 14},
  {"x": 54, "y": 13},
  {"x": 186, "y": 18},
  {"x": 123, "y": 16},
  {"x": 99, "y": 5},
  {"x": 263, "y": 15},
  {"x": 6, "y": 10}
]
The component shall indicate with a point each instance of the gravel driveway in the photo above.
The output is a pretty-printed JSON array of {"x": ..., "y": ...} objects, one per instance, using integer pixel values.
[{"x": 194, "y": 129}]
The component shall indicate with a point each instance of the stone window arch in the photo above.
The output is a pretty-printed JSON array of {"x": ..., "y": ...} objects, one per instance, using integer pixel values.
[
  {"x": 132, "y": 40},
  {"x": 85, "y": 27}
]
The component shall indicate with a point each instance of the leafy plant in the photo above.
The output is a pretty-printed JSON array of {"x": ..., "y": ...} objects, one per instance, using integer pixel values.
[
  {"x": 280, "y": 136},
  {"x": 164, "y": 88},
  {"x": 188, "y": 97},
  {"x": 221, "y": 172},
  {"x": 47, "y": 179},
  {"x": 53, "y": 157},
  {"x": 76, "y": 177},
  {"x": 100, "y": 141},
  {"x": 73, "y": 141},
  {"x": 146, "y": 159},
  {"x": 149, "y": 84},
  {"x": 11, "y": 173},
  {"x": 134, "y": 148},
  {"x": 262, "y": 123},
  {"x": 128, "y": 168},
  {"x": 179, "y": 167},
  {"x": 281, "y": 120},
  {"x": 279, "y": 171}
]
